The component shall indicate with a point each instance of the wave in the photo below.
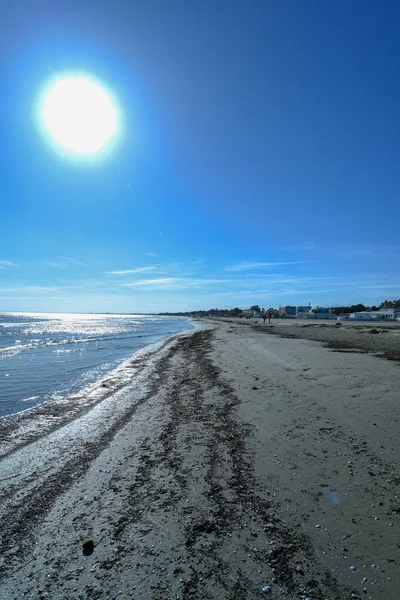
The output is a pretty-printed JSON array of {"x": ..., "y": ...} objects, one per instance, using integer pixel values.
[
  {"x": 23, "y": 426},
  {"x": 30, "y": 399},
  {"x": 9, "y": 351},
  {"x": 13, "y": 350}
]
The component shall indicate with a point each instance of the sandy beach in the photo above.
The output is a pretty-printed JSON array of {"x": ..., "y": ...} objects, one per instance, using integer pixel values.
[{"x": 239, "y": 461}]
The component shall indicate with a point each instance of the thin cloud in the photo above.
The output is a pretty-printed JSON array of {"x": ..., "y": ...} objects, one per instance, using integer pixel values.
[
  {"x": 54, "y": 265},
  {"x": 153, "y": 282},
  {"x": 46, "y": 289},
  {"x": 151, "y": 254},
  {"x": 74, "y": 261},
  {"x": 7, "y": 263},
  {"x": 187, "y": 282},
  {"x": 247, "y": 266},
  {"x": 294, "y": 292},
  {"x": 130, "y": 271},
  {"x": 389, "y": 286},
  {"x": 18, "y": 298},
  {"x": 174, "y": 283},
  {"x": 369, "y": 251},
  {"x": 32, "y": 289}
]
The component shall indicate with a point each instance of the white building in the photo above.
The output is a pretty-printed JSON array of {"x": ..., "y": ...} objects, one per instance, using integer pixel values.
[{"x": 384, "y": 314}]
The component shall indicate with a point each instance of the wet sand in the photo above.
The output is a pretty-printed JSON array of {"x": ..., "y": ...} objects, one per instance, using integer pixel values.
[{"x": 233, "y": 461}]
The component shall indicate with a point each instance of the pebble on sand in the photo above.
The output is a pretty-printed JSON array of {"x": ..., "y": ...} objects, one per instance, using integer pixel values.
[{"x": 88, "y": 547}]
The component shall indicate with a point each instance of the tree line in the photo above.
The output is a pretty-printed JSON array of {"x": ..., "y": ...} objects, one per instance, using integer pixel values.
[{"x": 361, "y": 307}]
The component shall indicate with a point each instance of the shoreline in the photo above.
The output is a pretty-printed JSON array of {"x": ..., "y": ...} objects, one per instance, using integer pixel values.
[
  {"x": 64, "y": 359},
  {"x": 232, "y": 462},
  {"x": 23, "y": 427}
]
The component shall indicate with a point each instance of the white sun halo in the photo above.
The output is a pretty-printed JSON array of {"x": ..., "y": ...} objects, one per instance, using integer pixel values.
[{"x": 79, "y": 114}]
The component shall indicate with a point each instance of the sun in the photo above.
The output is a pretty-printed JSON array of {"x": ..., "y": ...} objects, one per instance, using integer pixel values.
[{"x": 79, "y": 114}]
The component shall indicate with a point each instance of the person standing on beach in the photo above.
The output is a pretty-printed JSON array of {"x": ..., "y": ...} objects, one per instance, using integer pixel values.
[
  {"x": 264, "y": 316},
  {"x": 269, "y": 316}
]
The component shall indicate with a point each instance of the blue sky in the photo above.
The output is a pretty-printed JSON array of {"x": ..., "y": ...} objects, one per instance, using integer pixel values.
[{"x": 258, "y": 161}]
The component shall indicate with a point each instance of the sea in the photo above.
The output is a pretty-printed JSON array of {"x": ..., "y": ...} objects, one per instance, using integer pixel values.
[{"x": 46, "y": 358}]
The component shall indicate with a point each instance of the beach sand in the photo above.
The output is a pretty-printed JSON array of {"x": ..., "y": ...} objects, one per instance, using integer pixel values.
[{"x": 239, "y": 458}]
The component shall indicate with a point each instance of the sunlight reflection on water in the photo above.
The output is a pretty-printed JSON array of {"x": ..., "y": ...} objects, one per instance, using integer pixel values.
[{"x": 50, "y": 356}]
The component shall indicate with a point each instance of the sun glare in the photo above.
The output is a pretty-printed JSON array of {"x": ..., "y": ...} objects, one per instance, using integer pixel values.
[{"x": 79, "y": 115}]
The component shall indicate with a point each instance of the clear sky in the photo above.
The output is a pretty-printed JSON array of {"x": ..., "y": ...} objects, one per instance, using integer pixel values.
[{"x": 258, "y": 160}]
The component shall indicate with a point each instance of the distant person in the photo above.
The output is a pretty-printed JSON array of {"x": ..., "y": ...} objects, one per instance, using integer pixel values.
[
  {"x": 264, "y": 317},
  {"x": 269, "y": 316}
]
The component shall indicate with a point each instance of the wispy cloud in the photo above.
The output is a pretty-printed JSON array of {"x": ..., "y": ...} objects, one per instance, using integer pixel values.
[
  {"x": 74, "y": 261},
  {"x": 63, "y": 262},
  {"x": 4, "y": 264},
  {"x": 369, "y": 251},
  {"x": 152, "y": 282},
  {"x": 174, "y": 283},
  {"x": 388, "y": 286},
  {"x": 151, "y": 254},
  {"x": 131, "y": 271},
  {"x": 258, "y": 283},
  {"x": 54, "y": 265},
  {"x": 47, "y": 289},
  {"x": 247, "y": 266},
  {"x": 31, "y": 289}
]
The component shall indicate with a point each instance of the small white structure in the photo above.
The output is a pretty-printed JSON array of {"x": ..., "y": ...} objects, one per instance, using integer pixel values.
[
  {"x": 390, "y": 313},
  {"x": 365, "y": 315}
]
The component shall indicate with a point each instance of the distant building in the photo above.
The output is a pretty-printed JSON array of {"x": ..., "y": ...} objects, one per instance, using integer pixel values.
[
  {"x": 390, "y": 313},
  {"x": 321, "y": 310},
  {"x": 290, "y": 311},
  {"x": 302, "y": 309},
  {"x": 384, "y": 314}
]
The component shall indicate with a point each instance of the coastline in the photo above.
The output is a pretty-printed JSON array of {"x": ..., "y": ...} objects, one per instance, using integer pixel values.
[
  {"x": 23, "y": 427},
  {"x": 231, "y": 462},
  {"x": 62, "y": 358}
]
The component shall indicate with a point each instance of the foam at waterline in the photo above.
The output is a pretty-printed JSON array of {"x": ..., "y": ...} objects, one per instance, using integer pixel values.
[{"x": 24, "y": 426}]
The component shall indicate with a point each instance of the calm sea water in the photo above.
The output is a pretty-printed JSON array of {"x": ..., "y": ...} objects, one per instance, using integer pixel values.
[{"x": 46, "y": 357}]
